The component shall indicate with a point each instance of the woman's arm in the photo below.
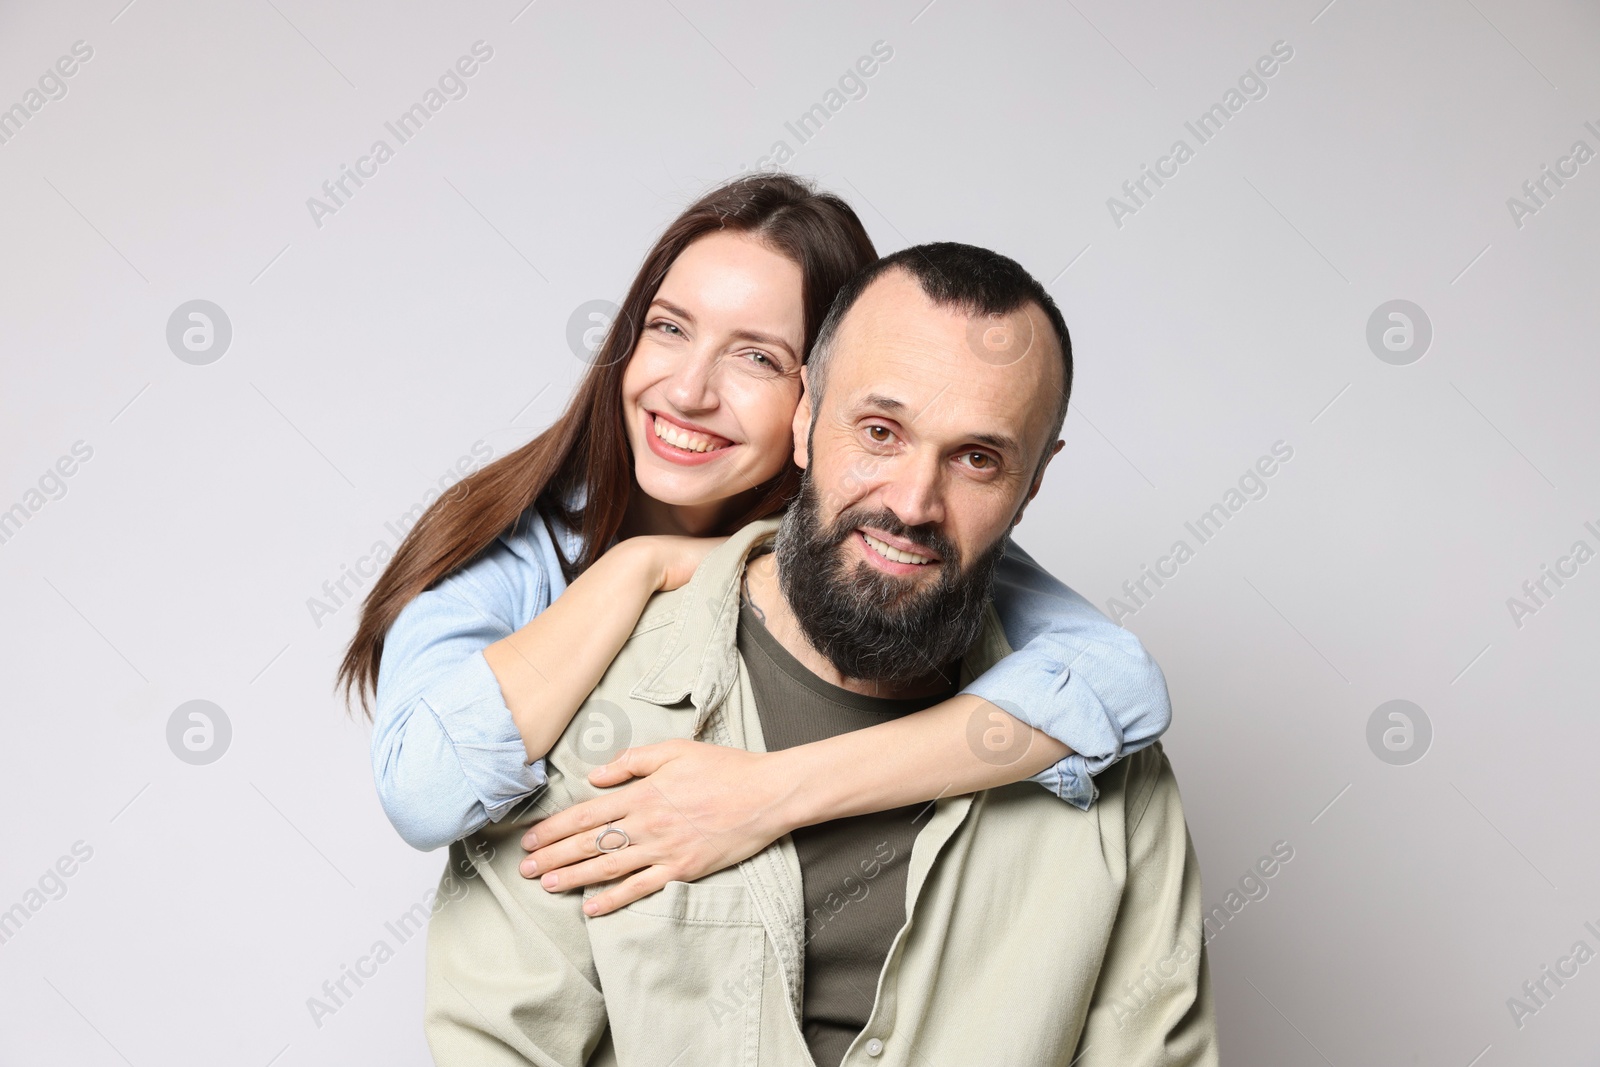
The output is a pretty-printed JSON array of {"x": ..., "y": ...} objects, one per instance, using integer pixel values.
[
  {"x": 1075, "y": 675},
  {"x": 448, "y": 753},
  {"x": 547, "y": 668},
  {"x": 708, "y": 807}
]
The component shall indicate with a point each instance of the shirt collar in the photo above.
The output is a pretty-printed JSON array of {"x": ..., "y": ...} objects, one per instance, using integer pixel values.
[{"x": 699, "y": 657}]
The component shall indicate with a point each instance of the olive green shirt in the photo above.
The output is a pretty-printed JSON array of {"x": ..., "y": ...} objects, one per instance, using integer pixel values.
[
  {"x": 853, "y": 870},
  {"x": 1035, "y": 934}
]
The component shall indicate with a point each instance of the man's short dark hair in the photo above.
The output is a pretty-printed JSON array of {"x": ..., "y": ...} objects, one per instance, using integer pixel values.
[{"x": 974, "y": 281}]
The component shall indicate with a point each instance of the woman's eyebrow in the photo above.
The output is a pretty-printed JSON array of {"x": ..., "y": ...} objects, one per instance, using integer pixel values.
[
  {"x": 763, "y": 339},
  {"x": 682, "y": 313},
  {"x": 743, "y": 335}
]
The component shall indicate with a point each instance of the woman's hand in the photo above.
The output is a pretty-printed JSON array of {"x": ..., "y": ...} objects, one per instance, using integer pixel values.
[
  {"x": 673, "y": 558},
  {"x": 696, "y": 808}
]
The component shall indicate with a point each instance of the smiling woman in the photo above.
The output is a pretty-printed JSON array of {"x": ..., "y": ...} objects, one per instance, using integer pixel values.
[{"x": 714, "y": 380}]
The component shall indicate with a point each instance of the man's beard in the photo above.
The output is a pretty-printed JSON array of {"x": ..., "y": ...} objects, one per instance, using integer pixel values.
[{"x": 871, "y": 625}]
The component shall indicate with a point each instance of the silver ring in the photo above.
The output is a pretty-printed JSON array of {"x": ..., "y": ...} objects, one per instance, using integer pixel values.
[{"x": 600, "y": 839}]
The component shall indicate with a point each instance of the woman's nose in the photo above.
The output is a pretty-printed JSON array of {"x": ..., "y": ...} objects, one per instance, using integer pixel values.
[{"x": 691, "y": 387}]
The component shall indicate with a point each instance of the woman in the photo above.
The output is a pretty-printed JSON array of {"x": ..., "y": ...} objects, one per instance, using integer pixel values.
[{"x": 507, "y": 601}]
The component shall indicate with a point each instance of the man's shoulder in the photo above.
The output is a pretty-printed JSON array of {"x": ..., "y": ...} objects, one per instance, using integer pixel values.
[{"x": 1129, "y": 789}]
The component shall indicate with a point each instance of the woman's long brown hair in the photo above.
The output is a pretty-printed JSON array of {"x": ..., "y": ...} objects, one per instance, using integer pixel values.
[{"x": 587, "y": 447}]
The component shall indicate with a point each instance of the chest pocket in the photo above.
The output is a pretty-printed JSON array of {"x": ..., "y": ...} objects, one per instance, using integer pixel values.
[{"x": 685, "y": 972}]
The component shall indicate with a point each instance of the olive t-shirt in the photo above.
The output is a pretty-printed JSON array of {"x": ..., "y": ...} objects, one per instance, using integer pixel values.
[{"x": 853, "y": 871}]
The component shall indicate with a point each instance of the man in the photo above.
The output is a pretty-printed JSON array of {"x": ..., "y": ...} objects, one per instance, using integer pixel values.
[{"x": 1003, "y": 927}]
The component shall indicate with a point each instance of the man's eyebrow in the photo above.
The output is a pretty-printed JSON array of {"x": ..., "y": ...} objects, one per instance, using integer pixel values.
[
  {"x": 887, "y": 403},
  {"x": 743, "y": 335},
  {"x": 998, "y": 441}
]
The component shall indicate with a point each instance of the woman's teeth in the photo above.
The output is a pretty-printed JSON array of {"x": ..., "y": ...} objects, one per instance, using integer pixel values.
[
  {"x": 888, "y": 551},
  {"x": 687, "y": 440}
]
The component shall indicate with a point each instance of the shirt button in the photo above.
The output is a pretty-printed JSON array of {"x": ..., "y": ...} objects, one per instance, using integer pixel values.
[{"x": 874, "y": 1047}]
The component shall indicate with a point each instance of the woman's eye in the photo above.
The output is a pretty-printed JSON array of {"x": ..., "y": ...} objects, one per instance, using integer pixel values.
[
  {"x": 758, "y": 356},
  {"x": 666, "y": 327}
]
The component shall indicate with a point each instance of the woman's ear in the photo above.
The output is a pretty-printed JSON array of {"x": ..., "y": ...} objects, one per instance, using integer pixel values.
[{"x": 802, "y": 422}]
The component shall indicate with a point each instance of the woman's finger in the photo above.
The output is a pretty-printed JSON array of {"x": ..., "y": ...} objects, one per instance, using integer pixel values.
[
  {"x": 635, "y": 887},
  {"x": 638, "y": 762},
  {"x": 579, "y": 847},
  {"x": 590, "y": 815},
  {"x": 604, "y": 868}
]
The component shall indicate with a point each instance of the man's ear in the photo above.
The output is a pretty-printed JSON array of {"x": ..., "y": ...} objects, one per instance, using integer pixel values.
[
  {"x": 802, "y": 421},
  {"x": 1038, "y": 480}
]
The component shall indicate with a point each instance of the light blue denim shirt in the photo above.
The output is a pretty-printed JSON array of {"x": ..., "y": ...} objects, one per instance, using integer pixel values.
[{"x": 448, "y": 759}]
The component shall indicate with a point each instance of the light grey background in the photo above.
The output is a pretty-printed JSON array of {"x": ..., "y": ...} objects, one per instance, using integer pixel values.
[{"x": 430, "y": 313}]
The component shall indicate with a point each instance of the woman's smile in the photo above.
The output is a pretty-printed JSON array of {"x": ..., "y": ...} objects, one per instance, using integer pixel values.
[{"x": 678, "y": 442}]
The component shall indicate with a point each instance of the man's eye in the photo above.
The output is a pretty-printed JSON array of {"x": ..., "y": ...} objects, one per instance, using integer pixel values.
[
  {"x": 981, "y": 460},
  {"x": 874, "y": 431}
]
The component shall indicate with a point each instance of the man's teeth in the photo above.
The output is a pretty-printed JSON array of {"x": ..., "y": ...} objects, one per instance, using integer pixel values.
[
  {"x": 684, "y": 439},
  {"x": 888, "y": 551}
]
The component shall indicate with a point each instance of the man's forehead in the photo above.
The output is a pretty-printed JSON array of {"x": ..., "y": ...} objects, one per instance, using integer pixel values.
[{"x": 913, "y": 359}]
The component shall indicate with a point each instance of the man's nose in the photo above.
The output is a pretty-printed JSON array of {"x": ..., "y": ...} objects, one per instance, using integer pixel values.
[
  {"x": 691, "y": 388},
  {"x": 915, "y": 490}
]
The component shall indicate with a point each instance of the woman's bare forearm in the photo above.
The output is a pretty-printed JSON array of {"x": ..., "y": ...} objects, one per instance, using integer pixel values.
[
  {"x": 959, "y": 746},
  {"x": 548, "y": 668}
]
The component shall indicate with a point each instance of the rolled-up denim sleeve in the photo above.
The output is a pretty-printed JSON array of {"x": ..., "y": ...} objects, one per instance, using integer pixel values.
[
  {"x": 1074, "y": 675},
  {"x": 447, "y": 757}
]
